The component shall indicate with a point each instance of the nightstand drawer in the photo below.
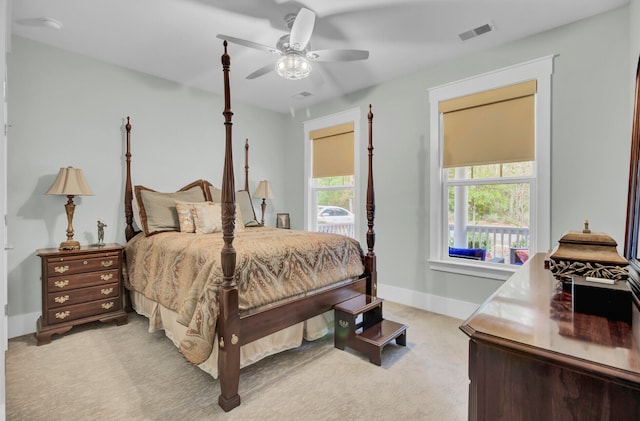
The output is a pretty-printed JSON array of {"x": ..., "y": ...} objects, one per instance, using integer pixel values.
[
  {"x": 79, "y": 311},
  {"x": 61, "y": 266},
  {"x": 63, "y": 283},
  {"x": 83, "y": 295}
]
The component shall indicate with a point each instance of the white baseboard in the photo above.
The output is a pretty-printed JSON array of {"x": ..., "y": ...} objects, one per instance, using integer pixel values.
[
  {"x": 22, "y": 324},
  {"x": 435, "y": 303}
]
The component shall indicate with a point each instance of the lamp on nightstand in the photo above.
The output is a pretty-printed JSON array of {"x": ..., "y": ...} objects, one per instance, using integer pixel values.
[
  {"x": 70, "y": 182},
  {"x": 264, "y": 192}
]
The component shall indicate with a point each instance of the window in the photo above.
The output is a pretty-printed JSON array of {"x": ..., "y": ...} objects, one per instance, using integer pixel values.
[
  {"x": 490, "y": 170},
  {"x": 331, "y": 150}
]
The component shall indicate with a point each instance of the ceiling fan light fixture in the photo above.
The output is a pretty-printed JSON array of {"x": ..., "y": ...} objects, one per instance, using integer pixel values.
[{"x": 293, "y": 66}]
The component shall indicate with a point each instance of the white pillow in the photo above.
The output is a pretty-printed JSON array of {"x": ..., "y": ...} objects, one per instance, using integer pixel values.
[{"x": 245, "y": 207}]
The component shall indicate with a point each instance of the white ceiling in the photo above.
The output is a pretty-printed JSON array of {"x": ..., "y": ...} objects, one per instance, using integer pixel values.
[{"x": 176, "y": 39}]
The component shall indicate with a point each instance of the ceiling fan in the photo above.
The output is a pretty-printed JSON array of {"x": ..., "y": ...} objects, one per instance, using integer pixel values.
[{"x": 294, "y": 49}]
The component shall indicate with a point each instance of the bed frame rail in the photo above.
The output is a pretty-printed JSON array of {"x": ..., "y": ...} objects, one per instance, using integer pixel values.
[{"x": 262, "y": 322}]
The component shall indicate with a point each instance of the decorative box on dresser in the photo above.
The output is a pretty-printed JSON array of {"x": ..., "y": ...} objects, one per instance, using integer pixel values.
[
  {"x": 531, "y": 357},
  {"x": 80, "y": 286}
]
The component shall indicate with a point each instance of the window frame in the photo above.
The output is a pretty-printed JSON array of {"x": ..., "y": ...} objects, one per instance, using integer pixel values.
[
  {"x": 541, "y": 70},
  {"x": 347, "y": 116}
]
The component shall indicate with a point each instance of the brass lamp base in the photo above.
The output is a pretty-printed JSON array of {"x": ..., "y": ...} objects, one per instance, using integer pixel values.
[{"x": 69, "y": 245}]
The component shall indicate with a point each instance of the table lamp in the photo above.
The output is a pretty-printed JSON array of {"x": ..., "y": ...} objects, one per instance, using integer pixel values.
[
  {"x": 264, "y": 192},
  {"x": 70, "y": 182}
]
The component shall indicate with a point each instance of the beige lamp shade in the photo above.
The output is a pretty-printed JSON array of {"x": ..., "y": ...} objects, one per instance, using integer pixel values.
[
  {"x": 264, "y": 190},
  {"x": 70, "y": 182}
]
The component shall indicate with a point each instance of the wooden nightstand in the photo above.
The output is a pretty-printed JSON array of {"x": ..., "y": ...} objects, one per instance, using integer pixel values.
[{"x": 80, "y": 286}]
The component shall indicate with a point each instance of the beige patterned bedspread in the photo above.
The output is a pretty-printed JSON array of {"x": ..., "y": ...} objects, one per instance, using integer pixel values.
[{"x": 183, "y": 272}]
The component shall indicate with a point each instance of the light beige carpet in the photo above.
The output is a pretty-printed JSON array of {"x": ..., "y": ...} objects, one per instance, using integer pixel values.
[{"x": 108, "y": 372}]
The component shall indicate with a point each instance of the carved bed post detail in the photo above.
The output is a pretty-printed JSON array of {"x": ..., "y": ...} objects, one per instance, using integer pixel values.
[
  {"x": 128, "y": 190},
  {"x": 246, "y": 165},
  {"x": 370, "y": 258},
  {"x": 229, "y": 320}
]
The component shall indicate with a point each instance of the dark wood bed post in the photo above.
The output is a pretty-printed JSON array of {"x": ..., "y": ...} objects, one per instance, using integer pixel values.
[
  {"x": 229, "y": 324},
  {"x": 246, "y": 165},
  {"x": 128, "y": 190},
  {"x": 370, "y": 258},
  {"x": 129, "y": 232}
]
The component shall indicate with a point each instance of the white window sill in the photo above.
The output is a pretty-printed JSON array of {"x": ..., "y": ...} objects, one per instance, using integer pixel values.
[{"x": 497, "y": 271}]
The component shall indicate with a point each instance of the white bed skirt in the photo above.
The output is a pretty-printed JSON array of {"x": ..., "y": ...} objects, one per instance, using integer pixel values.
[{"x": 161, "y": 318}]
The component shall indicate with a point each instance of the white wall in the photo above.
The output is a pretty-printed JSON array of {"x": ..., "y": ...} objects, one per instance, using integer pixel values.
[
  {"x": 634, "y": 37},
  {"x": 67, "y": 109},
  {"x": 590, "y": 151}
]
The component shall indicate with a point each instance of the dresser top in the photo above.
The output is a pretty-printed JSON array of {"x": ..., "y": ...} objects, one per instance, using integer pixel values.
[
  {"x": 81, "y": 250},
  {"x": 530, "y": 312}
]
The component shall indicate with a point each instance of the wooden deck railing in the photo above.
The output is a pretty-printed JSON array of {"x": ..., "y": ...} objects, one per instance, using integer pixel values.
[
  {"x": 497, "y": 240},
  {"x": 344, "y": 229}
]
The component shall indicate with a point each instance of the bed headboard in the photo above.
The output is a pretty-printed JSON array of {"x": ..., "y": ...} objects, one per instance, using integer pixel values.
[{"x": 130, "y": 231}]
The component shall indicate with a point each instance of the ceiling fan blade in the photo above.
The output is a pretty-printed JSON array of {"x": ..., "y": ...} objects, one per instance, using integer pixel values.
[
  {"x": 302, "y": 29},
  {"x": 338, "y": 55},
  {"x": 261, "y": 71},
  {"x": 250, "y": 44}
]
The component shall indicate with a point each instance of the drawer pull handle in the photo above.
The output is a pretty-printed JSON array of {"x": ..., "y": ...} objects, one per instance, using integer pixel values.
[
  {"x": 84, "y": 262},
  {"x": 61, "y": 269},
  {"x": 106, "y": 263},
  {"x": 106, "y": 276},
  {"x": 61, "y": 284},
  {"x": 107, "y": 306},
  {"x": 63, "y": 314},
  {"x": 106, "y": 291},
  {"x": 61, "y": 299}
]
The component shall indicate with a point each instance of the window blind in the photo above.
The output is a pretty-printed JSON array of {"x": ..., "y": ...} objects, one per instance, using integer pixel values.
[
  {"x": 332, "y": 150},
  {"x": 491, "y": 127}
]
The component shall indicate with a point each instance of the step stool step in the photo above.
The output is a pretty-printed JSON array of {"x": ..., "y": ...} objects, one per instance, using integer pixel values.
[
  {"x": 359, "y": 304},
  {"x": 382, "y": 333},
  {"x": 347, "y": 320},
  {"x": 371, "y": 341}
]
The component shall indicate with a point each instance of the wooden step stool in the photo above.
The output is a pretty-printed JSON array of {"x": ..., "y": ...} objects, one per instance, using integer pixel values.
[{"x": 371, "y": 334}]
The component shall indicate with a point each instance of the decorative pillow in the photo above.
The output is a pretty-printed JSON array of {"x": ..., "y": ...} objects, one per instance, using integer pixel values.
[
  {"x": 207, "y": 217},
  {"x": 245, "y": 207},
  {"x": 523, "y": 255},
  {"x": 158, "y": 210},
  {"x": 185, "y": 215}
]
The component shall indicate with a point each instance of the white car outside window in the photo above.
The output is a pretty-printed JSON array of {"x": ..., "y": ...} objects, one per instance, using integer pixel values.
[{"x": 334, "y": 215}]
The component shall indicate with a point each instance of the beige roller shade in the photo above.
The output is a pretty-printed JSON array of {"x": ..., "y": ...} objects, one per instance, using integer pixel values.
[
  {"x": 332, "y": 151},
  {"x": 491, "y": 127}
]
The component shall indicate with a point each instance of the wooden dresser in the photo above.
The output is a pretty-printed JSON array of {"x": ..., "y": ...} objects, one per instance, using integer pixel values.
[
  {"x": 80, "y": 286},
  {"x": 532, "y": 358}
]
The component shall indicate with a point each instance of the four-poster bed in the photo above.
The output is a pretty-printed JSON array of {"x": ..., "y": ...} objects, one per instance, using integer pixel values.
[{"x": 225, "y": 306}]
